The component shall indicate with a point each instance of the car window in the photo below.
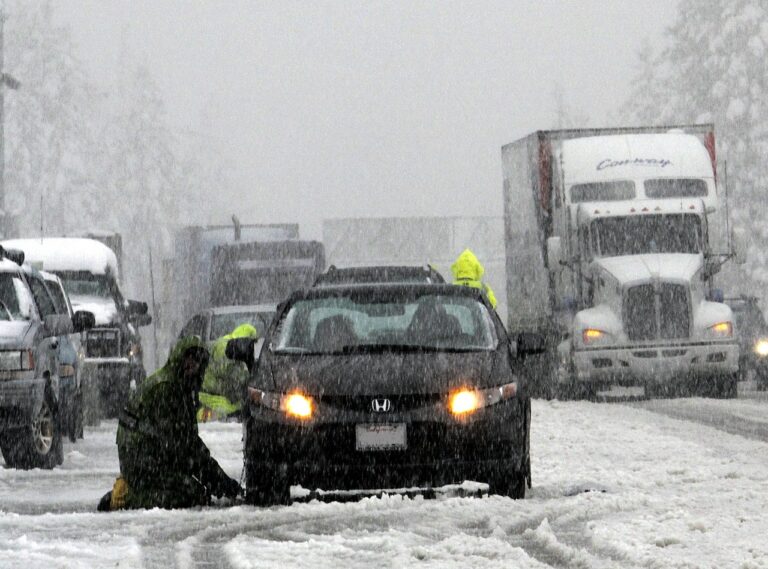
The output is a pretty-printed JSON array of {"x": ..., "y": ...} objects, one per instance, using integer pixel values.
[
  {"x": 43, "y": 299},
  {"x": 16, "y": 301},
  {"x": 57, "y": 294},
  {"x": 195, "y": 327},
  {"x": 222, "y": 324}
]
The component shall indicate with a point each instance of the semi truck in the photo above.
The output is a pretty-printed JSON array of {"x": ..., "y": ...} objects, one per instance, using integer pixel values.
[{"x": 612, "y": 238}]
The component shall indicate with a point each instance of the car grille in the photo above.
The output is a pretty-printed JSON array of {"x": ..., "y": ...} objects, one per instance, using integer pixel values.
[
  {"x": 103, "y": 343},
  {"x": 657, "y": 312},
  {"x": 365, "y": 403}
]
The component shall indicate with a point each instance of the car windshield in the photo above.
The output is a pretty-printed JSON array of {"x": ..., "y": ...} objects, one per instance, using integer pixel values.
[
  {"x": 87, "y": 285},
  {"x": 222, "y": 324},
  {"x": 16, "y": 300},
  {"x": 642, "y": 234},
  {"x": 393, "y": 321}
]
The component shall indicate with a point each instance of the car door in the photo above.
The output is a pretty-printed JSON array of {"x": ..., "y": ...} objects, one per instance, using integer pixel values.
[{"x": 47, "y": 348}]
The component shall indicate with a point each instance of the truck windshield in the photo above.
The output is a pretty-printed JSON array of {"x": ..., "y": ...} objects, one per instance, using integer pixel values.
[
  {"x": 15, "y": 298},
  {"x": 602, "y": 191},
  {"x": 641, "y": 234},
  {"x": 675, "y": 188},
  {"x": 351, "y": 324}
]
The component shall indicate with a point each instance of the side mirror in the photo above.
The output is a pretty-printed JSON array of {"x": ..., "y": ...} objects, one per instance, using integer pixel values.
[
  {"x": 241, "y": 350},
  {"x": 530, "y": 343},
  {"x": 138, "y": 313},
  {"x": 739, "y": 244},
  {"x": 554, "y": 254},
  {"x": 712, "y": 266},
  {"x": 83, "y": 320},
  {"x": 717, "y": 295},
  {"x": 58, "y": 324}
]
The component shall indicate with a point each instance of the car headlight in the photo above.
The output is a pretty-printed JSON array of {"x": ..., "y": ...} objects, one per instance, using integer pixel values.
[
  {"x": 294, "y": 404},
  {"x": 466, "y": 401},
  {"x": 721, "y": 330},
  {"x": 16, "y": 360},
  {"x": 761, "y": 347},
  {"x": 594, "y": 336}
]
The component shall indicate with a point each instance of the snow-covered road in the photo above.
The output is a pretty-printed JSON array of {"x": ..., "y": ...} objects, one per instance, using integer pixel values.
[{"x": 667, "y": 493}]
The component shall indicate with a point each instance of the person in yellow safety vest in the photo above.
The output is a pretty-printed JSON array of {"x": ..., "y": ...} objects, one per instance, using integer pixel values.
[
  {"x": 225, "y": 380},
  {"x": 468, "y": 271}
]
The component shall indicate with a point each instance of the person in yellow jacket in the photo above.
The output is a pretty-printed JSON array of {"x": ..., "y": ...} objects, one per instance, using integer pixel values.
[
  {"x": 225, "y": 380},
  {"x": 468, "y": 271}
]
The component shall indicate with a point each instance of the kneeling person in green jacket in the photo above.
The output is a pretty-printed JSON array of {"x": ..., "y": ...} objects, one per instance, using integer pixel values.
[
  {"x": 163, "y": 461},
  {"x": 224, "y": 386}
]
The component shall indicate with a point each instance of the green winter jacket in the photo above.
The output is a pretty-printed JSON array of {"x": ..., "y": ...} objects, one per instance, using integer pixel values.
[
  {"x": 162, "y": 457},
  {"x": 468, "y": 271}
]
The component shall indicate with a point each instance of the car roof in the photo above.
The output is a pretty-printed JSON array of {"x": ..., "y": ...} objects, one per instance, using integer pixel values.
[
  {"x": 379, "y": 274},
  {"x": 375, "y": 289},
  {"x": 236, "y": 309}
]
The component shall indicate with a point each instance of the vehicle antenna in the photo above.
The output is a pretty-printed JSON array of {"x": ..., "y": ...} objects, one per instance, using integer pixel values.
[{"x": 727, "y": 214}]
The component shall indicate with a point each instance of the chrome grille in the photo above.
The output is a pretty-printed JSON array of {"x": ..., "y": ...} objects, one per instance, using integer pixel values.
[
  {"x": 102, "y": 343},
  {"x": 653, "y": 312}
]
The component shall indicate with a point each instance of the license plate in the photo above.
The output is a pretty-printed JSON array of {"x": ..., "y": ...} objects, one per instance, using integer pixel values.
[{"x": 380, "y": 436}]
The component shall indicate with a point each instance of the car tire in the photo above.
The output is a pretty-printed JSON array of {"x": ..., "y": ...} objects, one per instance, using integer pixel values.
[
  {"x": 38, "y": 445},
  {"x": 761, "y": 379},
  {"x": 266, "y": 487},
  {"x": 727, "y": 387},
  {"x": 510, "y": 483}
]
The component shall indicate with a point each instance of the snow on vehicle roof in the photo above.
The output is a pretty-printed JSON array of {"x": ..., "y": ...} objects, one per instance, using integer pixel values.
[
  {"x": 634, "y": 156},
  {"x": 7, "y": 266},
  {"x": 67, "y": 254}
]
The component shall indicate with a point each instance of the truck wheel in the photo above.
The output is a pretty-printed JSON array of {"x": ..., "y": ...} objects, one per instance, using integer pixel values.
[
  {"x": 38, "y": 445},
  {"x": 761, "y": 379},
  {"x": 266, "y": 487},
  {"x": 727, "y": 387},
  {"x": 510, "y": 483}
]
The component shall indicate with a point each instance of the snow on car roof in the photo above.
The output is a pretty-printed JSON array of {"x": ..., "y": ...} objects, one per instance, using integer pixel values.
[
  {"x": 8, "y": 266},
  {"x": 67, "y": 254}
]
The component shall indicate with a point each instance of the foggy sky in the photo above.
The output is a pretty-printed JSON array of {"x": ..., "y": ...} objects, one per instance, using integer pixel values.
[{"x": 369, "y": 109}]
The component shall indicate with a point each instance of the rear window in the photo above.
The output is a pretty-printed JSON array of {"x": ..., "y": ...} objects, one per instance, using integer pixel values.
[
  {"x": 602, "y": 191},
  {"x": 675, "y": 188}
]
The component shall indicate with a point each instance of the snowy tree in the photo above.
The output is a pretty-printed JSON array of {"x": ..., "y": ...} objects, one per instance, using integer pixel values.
[
  {"x": 48, "y": 141},
  {"x": 712, "y": 66},
  {"x": 566, "y": 115}
]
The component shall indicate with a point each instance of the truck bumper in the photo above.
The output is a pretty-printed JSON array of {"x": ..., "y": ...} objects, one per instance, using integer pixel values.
[
  {"x": 659, "y": 365},
  {"x": 21, "y": 395}
]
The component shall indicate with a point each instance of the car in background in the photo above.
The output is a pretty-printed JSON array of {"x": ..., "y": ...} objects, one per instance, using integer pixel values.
[
  {"x": 33, "y": 401},
  {"x": 385, "y": 386},
  {"x": 213, "y": 323},
  {"x": 335, "y": 276},
  {"x": 71, "y": 355},
  {"x": 753, "y": 338},
  {"x": 113, "y": 353}
]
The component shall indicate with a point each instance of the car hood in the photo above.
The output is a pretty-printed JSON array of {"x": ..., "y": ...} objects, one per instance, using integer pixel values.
[
  {"x": 13, "y": 334},
  {"x": 381, "y": 374},
  {"x": 641, "y": 268}
]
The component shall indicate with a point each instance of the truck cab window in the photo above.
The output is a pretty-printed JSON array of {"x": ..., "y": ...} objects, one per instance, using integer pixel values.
[
  {"x": 675, "y": 188},
  {"x": 602, "y": 191},
  {"x": 43, "y": 299}
]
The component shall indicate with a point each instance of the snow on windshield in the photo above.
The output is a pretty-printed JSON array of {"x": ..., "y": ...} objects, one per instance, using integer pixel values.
[
  {"x": 325, "y": 325},
  {"x": 643, "y": 234}
]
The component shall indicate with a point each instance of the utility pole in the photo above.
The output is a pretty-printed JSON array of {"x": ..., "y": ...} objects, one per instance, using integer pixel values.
[{"x": 6, "y": 225}]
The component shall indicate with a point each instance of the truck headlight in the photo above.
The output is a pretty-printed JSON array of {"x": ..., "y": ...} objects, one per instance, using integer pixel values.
[
  {"x": 594, "y": 335},
  {"x": 761, "y": 347},
  {"x": 16, "y": 360},
  {"x": 721, "y": 330}
]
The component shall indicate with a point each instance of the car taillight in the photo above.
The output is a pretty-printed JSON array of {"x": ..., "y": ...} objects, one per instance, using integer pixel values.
[{"x": 27, "y": 359}]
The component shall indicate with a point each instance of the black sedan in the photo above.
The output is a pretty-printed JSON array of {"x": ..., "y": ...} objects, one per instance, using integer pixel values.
[{"x": 385, "y": 386}]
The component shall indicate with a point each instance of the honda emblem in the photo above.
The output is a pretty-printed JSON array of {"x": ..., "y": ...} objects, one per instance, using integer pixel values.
[{"x": 381, "y": 405}]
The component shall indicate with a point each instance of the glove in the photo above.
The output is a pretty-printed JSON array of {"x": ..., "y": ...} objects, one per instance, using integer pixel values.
[{"x": 231, "y": 488}]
